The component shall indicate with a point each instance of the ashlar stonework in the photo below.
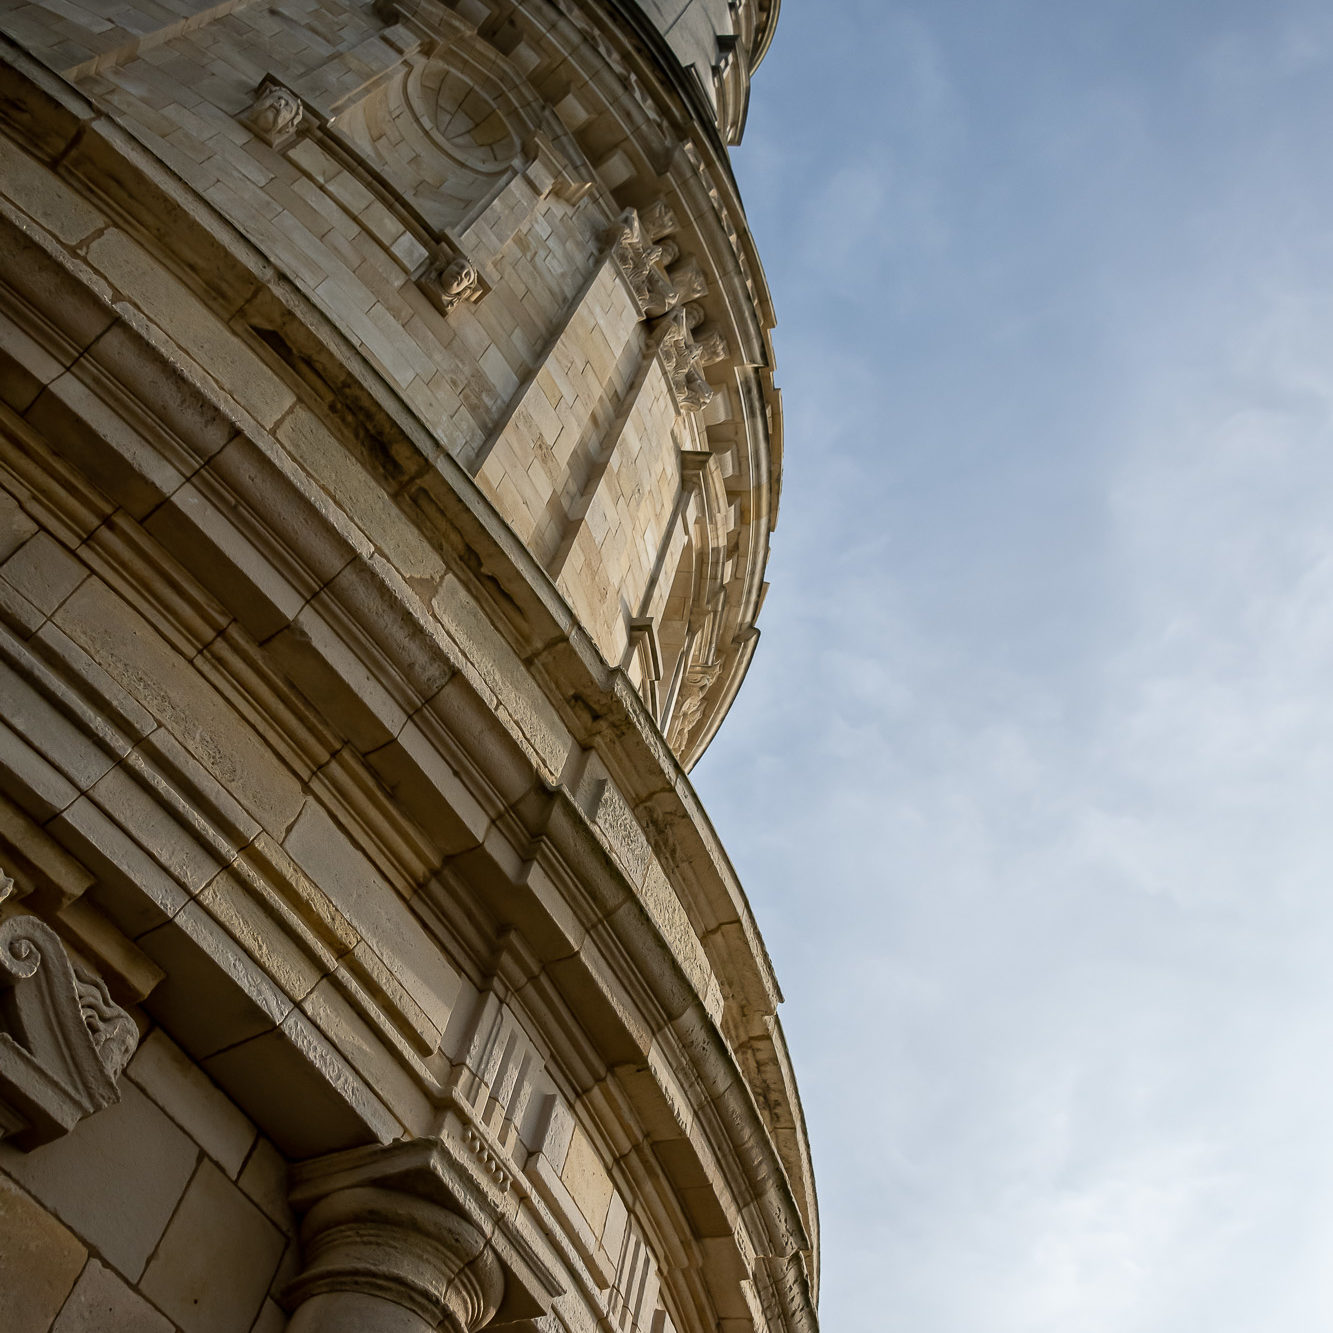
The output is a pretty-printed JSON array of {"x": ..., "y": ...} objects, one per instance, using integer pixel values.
[{"x": 388, "y": 455}]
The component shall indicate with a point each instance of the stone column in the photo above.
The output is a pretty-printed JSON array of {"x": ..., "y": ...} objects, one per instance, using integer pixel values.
[{"x": 383, "y": 1261}]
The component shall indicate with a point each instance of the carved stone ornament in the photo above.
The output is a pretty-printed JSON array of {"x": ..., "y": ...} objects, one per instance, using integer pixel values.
[
  {"x": 694, "y": 688},
  {"x": 275, "y": 113},
  {"x": 63, "y": 1040},
  {"x": 688, "y": 280},
  {"x": 641, "y": 263},
  {"x": 713, "y": 346},
  {"x": 452, "y": 281},
  {"x": 658, "y": 220},
  {"x": 681, "y": 358},
  {"x": 391, "y": 1246}
]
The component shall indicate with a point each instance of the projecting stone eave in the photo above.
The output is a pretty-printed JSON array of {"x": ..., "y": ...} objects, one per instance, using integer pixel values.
[
  {"x": 255, "y": 309},
  {"x": 766, "y": 23}
]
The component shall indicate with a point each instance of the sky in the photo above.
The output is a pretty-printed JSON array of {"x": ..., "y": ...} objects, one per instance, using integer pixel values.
[{"x": 1030, "y": 782}]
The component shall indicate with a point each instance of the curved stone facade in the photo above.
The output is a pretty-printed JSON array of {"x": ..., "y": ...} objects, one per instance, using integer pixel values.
[{"x": 388, "y": 455}]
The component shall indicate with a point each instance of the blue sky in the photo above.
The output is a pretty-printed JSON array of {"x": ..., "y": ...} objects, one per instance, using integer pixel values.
[{"x": 1030, "y": 781}]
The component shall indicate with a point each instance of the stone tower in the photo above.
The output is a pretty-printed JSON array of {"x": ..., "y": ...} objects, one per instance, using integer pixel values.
[{"x": 388, "y": 456}]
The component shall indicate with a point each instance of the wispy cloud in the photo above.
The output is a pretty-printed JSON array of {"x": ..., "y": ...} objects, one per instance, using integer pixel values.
[{"x": 1030, "y": 779}]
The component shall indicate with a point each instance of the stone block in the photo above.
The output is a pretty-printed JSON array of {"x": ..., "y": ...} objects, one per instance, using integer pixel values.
[
  {"x": 115, "y": 1179},
  {"x": 301, "y": 1092},
  {"x": 197, "y": 428},
  {"x": 264, "y": 1180},
  {"x": 375, "y": 911},
  {"x": 39, "y": 1262},
  {"x": 102, "y": 1303},
  {"x": 213, "y": 1268},
  {"x": 106, "y": 448},
  {"x": 214, "y": 994},
  {"x": 133, "y": 890},
  {"x": 67, "y": 661},
  {"x": 264, "y": 924},
  {"x": 29, "y": 781},
  {"x": 192, "y": 1100},
  {"x": 324, "y": 655},
  {"x": 586, "y": 1180},
  {"x": 27, "y": 705},
  {"x": 271, "y": 1319},
  {"x": 417, "y": 772},
  {"x": 45, "y": 197},
  {"x": 80, "y": 314},
  {"x": 128, "y": 795},
  {"x": 44, "y": 572},
  {"x": 15, "y": 525},
  {"x": 196, "y": 520},
  {"x": 286, "y": 505},
  {"x": 140, "y": 660},
  {"x": 204, "y": 335},
  {"x": 360, "y": 495}
]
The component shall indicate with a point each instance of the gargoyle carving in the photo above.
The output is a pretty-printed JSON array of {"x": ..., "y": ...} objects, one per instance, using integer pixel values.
[
  {"x": 641, "y": 263},
  {"x": 452, "y": 281},
  {"x": 275, "y": 113},
  {"x": 681, "y": 358},
  {"x": 63, "y": 1041}
]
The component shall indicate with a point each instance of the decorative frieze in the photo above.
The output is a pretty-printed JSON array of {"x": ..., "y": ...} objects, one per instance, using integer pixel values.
[
  {"x": 492, "y": 1164},
  {"x": 63, "y": 1041}
]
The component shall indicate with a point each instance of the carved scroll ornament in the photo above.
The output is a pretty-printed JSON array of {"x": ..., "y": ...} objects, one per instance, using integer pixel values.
[{"x": 63, "y": 1041}]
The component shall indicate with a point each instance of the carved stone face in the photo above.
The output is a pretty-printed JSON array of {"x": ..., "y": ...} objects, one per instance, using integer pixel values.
[
  {"x": 276, "y": 111},
  {"x": 457, "y": 278}
]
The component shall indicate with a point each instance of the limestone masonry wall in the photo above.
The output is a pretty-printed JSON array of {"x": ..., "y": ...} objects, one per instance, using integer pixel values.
[{"x": 388, "y": 452}]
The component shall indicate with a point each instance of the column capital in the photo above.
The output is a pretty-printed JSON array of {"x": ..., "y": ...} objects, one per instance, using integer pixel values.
[{"x": 384, "y": 1243}]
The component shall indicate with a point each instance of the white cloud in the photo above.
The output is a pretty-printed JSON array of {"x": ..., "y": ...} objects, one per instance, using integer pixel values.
[{"x": 1030, "y": 782}]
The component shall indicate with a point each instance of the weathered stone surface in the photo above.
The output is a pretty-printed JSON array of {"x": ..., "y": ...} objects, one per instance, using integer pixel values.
[
  {"x": 271, "y": 1319},
  {"x": 215, "y": 1263},
  {"x": 107, "y": 1183},
  {"x": 135, "y": 655},
  {"x": 39, "y": 1261},
  {"x": 102, "y": 1303},
  {"x": 189, "y": 1097},
  {"x": 264, "y": 1180}
]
